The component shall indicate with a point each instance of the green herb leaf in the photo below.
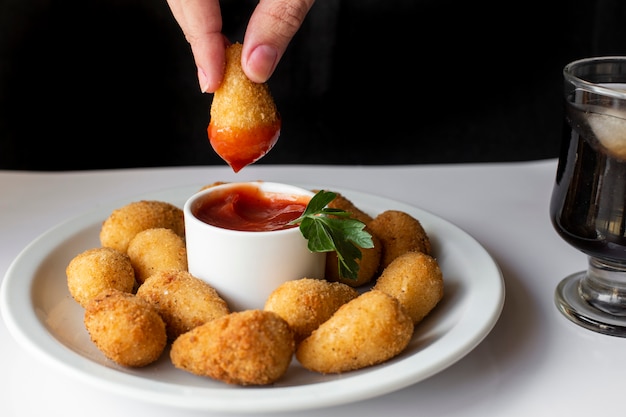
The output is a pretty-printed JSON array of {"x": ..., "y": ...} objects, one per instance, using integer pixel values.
[{"x": 330, "y": 229}]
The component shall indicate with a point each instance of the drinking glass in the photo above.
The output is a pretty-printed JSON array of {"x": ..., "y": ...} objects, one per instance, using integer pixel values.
[{"x": 588, "y": 204}]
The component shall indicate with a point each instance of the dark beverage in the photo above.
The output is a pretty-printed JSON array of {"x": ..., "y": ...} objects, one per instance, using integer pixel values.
[
  {"x": 589, "y": 195},
  {"x": 589, "y": 199}
]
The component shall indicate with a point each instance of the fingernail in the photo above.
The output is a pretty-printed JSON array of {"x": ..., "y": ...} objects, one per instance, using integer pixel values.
[
  {"x": 261, "y": 63},
  {"x": 203, "y": 80}
]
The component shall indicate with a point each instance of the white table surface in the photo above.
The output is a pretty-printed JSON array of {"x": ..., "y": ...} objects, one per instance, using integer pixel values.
[{"x": 534, "y": 361}]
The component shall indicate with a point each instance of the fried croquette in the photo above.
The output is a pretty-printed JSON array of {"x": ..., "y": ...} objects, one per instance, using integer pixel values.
[
  {"x": 156, "y": 249},
  {"x": 343, "y": 203},
  {"x": 370, "y": 257},
  {"x": 365, "y": 331},
  {"x": 250, "y": 347},
  {"x": 307, "y": 302},
  {"x": 126, "y": 328},
  {"x": 98, "y": 269},
  {"x": 368, "y": 265},
  {"x": 125, "y": 222},
  {"x": 183, "y": 300},
  {"x": 416, "y": 281},
  {"x": 399, "y": 232},
  {"x": 245, "y": 123}
]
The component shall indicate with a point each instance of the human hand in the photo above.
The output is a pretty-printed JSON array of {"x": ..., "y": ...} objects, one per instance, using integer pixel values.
[{"x": 272, "y": 25}]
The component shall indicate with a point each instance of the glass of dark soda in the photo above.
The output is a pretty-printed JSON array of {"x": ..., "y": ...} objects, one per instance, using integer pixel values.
[{"x": 588, "y": 204}]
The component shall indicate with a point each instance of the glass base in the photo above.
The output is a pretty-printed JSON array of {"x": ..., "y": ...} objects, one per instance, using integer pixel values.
[{"x": 573, "y": 304}]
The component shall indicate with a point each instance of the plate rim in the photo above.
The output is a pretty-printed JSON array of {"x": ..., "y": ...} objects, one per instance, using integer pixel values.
[{"x": 318, "y": 394}]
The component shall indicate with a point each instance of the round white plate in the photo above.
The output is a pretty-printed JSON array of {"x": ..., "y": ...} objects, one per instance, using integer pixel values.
[{"x": 44, "y": 318}]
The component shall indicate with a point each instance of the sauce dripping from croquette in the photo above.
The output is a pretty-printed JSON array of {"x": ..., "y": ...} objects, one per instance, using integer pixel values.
[{"x": 241, "y": 147}]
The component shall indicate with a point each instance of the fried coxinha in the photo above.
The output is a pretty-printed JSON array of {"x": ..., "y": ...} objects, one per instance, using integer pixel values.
[
  {"x": 245, "y": 123},
  {"x": 326, "y": 324}
]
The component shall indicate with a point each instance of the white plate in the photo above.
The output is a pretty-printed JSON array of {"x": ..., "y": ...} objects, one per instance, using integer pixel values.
[{"x": 42, "y": 316}]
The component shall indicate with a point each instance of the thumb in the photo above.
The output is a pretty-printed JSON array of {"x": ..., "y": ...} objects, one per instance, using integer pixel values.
[{"x": 272, "y": 26}]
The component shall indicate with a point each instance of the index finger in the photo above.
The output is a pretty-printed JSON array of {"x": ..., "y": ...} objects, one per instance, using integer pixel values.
[{"x": 201, "y": 23}]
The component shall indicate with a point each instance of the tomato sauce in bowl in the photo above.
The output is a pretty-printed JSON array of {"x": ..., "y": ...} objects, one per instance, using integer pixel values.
[
  {"x": 246, "y": 207},
  {"x": 239, "y": 240}
]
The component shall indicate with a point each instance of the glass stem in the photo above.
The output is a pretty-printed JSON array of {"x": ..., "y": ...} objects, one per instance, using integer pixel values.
[{"x": 604, "y": 286}]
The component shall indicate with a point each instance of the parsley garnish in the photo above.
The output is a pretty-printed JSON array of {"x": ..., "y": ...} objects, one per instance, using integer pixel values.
[{"x": 331, "y": 229}]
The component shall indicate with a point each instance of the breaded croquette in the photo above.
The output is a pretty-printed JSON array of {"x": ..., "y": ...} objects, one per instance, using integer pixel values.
[
  {"x": 370, "y": 257},
  {"x": 368, "y": 265},
  {"x": 98, "y": 269},
  {"x": 245, "y": 123},
  {"x": 156, "y": 249},
  {"x": 127, "y": 329},
  {"x": 250, "y": 347},
  {"x": 365, "y": 331},
  {"x": 416, "y": 281},
  {"x": 307, "y": 302},
  {"x": 343, "y": 203},
  {"x": 125, "y": 222},
  {"x": 183, "y": 300},
  {"x": 399, "y": 232}
]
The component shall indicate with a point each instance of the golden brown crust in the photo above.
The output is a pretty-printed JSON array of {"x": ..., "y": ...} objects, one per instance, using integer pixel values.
[
  {"x": 343, "y": 203},
  {"x": 156, "y": 249},
  {"x": 98, "y": 269},
  {"x": 250, "y": 347},
  {"x": 238, "y": 102},
  {"x": 399, "y": 232},
  {"x": 127, "y": 329},
  {"x": 416, "y": 281},
  {"x": 369, "y": 265},
  {"x": 365, "y": 331},
  {"x": 371, "y": 257},
  {"x": 306, "y": 303},
  {"x": 125, "y": 222},
  {"x": 183, "y": 300}
]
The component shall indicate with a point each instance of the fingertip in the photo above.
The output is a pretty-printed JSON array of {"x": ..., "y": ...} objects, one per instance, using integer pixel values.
[
  {"x": 203, "y": 81},
  {"x": 260, "y": 63},
  {"x": 210, "y": 61}
]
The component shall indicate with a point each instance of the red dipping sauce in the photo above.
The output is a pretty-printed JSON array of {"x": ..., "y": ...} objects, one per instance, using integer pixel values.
[{"x": 246, "y": 207}]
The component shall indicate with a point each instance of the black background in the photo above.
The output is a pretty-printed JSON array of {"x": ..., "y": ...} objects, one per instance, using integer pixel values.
[{"x": 90, "y": 84}]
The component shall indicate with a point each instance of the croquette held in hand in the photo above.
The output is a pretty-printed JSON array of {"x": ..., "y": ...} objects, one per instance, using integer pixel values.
[{"x": 245, "y": 123}]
